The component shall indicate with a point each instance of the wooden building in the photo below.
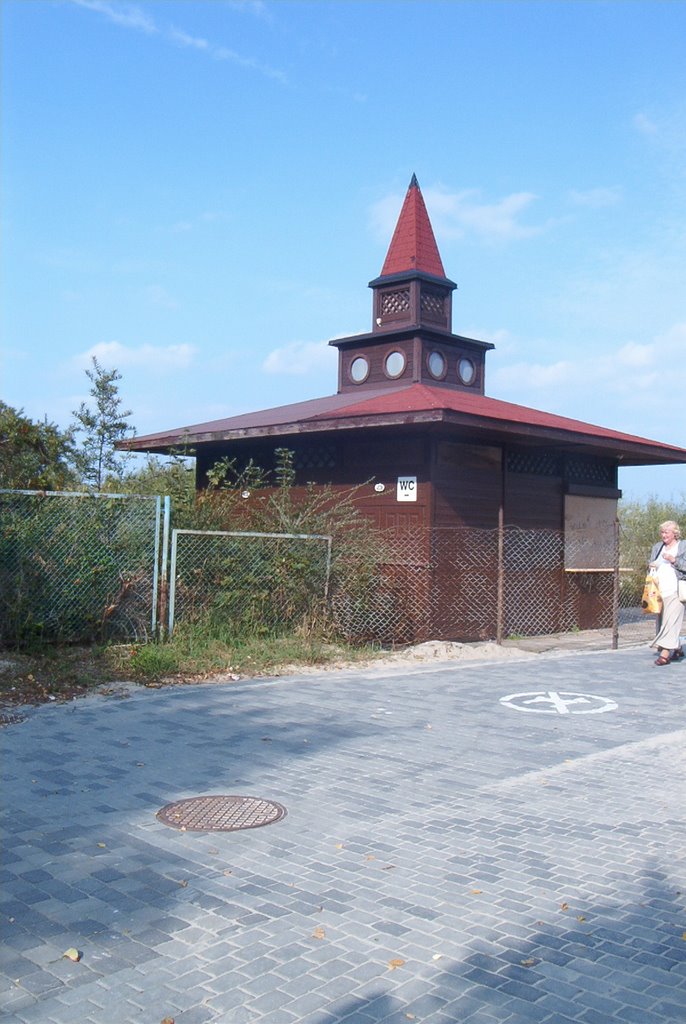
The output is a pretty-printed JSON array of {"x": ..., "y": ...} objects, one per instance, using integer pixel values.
[{"x": 444, "y": 460}]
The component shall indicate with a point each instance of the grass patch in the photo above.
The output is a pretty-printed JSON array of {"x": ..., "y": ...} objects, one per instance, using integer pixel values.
[
  {"x": 196, "y": 653},
  {"x": 60, "y": 673}
]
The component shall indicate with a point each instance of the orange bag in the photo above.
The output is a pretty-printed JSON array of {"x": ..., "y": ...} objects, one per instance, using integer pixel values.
[{"x": 651, "y": 602}]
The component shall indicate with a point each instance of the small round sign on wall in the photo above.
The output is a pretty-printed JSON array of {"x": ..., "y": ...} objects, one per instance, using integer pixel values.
[{"x": 562, "y": 702}]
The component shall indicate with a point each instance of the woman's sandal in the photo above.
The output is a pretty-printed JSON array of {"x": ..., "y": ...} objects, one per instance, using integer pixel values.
[
  {"x": 677, "y": 655},
  {"x": 663, "y": 660}
]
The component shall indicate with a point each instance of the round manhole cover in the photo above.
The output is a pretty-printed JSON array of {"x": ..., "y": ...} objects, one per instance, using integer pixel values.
[{"x": 221, "y": 813}]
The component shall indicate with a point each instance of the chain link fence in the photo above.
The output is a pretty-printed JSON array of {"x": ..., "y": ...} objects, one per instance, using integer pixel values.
[
  {"x": 78, "y": 567},
  {"x": 250, "y": 583},
  {"x": 471, "y": 584}
]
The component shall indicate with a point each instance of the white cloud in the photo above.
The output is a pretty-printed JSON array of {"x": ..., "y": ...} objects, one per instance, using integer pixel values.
[
  {"x": 224, "y": 53},
  {"x": 149, "y": 418},
  {"x": 196, "y": 221},
  {"x": 457, "y": 214},
  {"x": 635, "y": 355},
  {"x": 177, "y": 35},
  {"x": 73, "y": 260},
  {"x": 462, "y": 212},
  {"x": 646, "y": 125},
  {"x": 299, "y": 358},
  {"x": 156, "y": 295},
  {"x": 503, "y": 339},
  {"x": 133, "y": 17},
  {"x": 632, "y": 386},
  {"x": 192, "y": 223},
  {"x": 126, "y": 15},
  {"x": 9, "y": 354},
  {"x": 596, "y": 197},
  {"x": 181, "y": 226},
  {"x": 666, "y": 134},
  {"x": 630, "y": 370},
  {"x": 256, "y": 7},
  {"x": 356, "y": 95},
  {"x": 148, "y": 357},
  {"x": 670, "y": 346},
  {"x": 535, "y": 376},
  {"x": 181, "y": 38}
]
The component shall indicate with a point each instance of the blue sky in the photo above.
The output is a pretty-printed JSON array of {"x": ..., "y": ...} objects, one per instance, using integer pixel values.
[{"x": 199, "y": 192}]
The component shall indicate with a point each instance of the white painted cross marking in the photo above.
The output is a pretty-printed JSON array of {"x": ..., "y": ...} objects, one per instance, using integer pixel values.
[{"x": 552, "y": 702}]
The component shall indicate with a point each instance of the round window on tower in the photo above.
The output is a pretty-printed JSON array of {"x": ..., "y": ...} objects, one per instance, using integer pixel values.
[
  {"x": 359, "y": 369},
  {"x": 466, "y": 371},
  {"x": 437, "y": 365},
  {"x": 394, "y": 364}
]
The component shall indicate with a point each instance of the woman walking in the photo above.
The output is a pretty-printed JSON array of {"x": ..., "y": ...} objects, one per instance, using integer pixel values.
[{"x": 668, "y": 559}]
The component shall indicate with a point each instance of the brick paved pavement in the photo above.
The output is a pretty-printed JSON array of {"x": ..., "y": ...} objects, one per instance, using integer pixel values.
[{"x": 517, "y": 866}]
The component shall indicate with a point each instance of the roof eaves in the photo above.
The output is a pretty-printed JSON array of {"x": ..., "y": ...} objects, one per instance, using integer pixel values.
[
  {"x": 476, "y": 424},
  {"x": 571, "y": 435},
  {"x": 411, "y": 275},
  {"x": 408, "y": 331}
]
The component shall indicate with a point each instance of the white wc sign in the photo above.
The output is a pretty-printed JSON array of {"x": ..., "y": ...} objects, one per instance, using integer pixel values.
[{"x": 407, "y": 488}]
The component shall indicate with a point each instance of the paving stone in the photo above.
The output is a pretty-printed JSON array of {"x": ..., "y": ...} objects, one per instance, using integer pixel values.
[
  {"x": 280, "y": 1016},
  {"x": 227, "y": 1000},
  {"x": 390, "y": 829},
  {"x": 195, "y": 1015}
]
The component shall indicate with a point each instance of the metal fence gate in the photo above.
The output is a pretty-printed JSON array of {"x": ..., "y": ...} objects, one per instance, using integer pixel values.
[{"x": 249, "y": 582}]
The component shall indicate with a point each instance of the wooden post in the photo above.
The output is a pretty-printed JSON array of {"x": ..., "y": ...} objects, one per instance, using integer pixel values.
[
  {"x": 500, "y": 586},
  {"x": 615, "y": 589}
]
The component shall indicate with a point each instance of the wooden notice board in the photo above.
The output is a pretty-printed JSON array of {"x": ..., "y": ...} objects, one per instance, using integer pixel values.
[{"x": 589, "y": 532}]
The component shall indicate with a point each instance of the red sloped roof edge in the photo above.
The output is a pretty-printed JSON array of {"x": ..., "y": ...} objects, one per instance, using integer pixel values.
[
  {"x": 404, "y": 400},
  {"x": 423, "y": 397}
]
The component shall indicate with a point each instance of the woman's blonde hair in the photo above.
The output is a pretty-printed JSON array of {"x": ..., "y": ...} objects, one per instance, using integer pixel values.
[{"x": 669, "y": 524}]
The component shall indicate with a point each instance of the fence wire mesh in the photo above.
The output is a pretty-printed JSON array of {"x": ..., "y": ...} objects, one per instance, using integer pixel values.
[
  {"x": 81, "y": 567},
  {"x": 471, "y": 584},
  {"x": 448, "y": 584},
  {"x": 77, "y": 567},
  {"x": 248, "y": 583}
]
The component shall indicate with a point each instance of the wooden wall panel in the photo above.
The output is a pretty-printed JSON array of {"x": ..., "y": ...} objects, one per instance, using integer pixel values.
[
  {"x": 383, "y": 462},
  {"x": 467, "y": 485},
  {"x": 533, "y": 502},
  {"x": 397, "y": 453}
]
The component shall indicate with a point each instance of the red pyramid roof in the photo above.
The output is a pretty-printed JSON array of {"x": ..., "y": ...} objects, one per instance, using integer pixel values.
[{"x": 413, "y": 246}]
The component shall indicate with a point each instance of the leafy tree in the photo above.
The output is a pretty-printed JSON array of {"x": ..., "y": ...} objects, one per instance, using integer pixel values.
[
  {"x": 174, "y": 476},
  {"x": 640, "y": 524},
  {"x": 643, "y": 518},
  {"x": 97, "y": 429},
  {"x": 34, "y": 455}
]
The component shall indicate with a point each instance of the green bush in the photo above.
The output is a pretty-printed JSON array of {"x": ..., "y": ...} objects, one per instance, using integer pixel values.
[
  {"x": 271, "y": 586},
  {"x": 639, "y": 529}
]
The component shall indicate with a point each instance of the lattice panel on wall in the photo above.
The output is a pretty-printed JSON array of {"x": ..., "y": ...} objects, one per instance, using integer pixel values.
[
  {"x": 591, "y": 471},
  {"x": 321, "y": 456},
  {"x": 395, "y": 302},
  {"x": 539, "y": 463},
  {"x": 433, "y": 304}
]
